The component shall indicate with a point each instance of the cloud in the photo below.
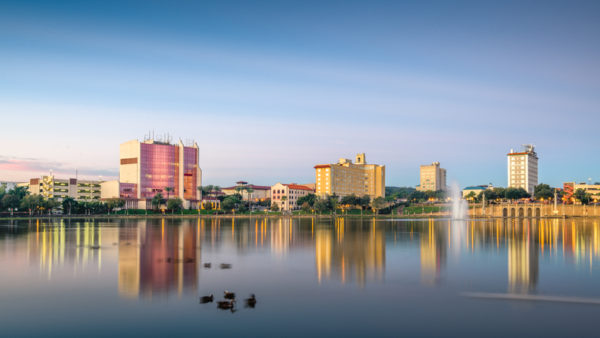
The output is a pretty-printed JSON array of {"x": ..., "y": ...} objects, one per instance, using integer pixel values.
[{"x": 22, "y": 169}]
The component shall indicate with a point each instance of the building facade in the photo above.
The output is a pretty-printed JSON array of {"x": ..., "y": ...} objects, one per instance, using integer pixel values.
[
  {"x": 432, "y": 178},
  {"x": 523, "y": 169},
  {"x": 286, "y": 195},
  {"x": 151, "y": 167},
  {"x": 249, "y": 191},
  {"x": 569, "y": 189},
  {"x": 346, "y": 178},
  {"x": 57, "y": 188}
]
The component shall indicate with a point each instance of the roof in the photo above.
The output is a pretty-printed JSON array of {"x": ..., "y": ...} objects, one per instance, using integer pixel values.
[
  {"x": 322, "y": 166},
  {"x": 254, "y": 187},
  {"x": 521, "y": 153},
  {"x": 298, "y": 187},
  {"x": 476, "y": 187}
]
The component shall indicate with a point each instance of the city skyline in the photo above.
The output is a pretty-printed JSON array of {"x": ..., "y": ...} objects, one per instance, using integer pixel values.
[{"x": 270, "y": 90}]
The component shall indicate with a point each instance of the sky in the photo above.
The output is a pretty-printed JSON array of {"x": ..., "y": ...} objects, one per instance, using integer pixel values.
[{"x": 268, "y": 89}]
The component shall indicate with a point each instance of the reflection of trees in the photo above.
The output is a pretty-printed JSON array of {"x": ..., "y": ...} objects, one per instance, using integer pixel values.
[{"x": 353, "y": 253}]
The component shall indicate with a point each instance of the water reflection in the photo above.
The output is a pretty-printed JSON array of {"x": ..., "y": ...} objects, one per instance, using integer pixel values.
[
  {"x": 158, "y": 257},
  {"x": 433, "y": 251},
  {"x": 354, "y": 254},
  {"x": 154, "y": 260}
]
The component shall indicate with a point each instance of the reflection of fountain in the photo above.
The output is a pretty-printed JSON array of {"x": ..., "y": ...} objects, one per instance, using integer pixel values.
[{"x": 459, "y": 205}]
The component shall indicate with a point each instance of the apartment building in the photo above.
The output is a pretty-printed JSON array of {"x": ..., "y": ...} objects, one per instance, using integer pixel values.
[
  {"x": 432, "y": 177},
  {"x": 346, "y": 178},
  {"x": 52, "y": 187},
  {"x": 523, "y": 168}
]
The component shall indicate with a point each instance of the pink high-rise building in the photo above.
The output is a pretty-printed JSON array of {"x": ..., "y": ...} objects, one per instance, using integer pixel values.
[{"x": 151, "y": 167}]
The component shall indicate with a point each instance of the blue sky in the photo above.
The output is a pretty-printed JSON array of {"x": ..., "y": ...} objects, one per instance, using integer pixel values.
[{"x": 269, "y": 89}]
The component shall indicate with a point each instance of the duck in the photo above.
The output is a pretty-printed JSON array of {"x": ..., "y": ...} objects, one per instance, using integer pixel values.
[
  {"x": 229, "y": 295},
  {"x": 206, "y": 299},
  {"x": 207, "y": 265},
  {"x": 226, "y": 305},
  {"x": 225, "y": 266},
  {"x": 251, "y": 302}
]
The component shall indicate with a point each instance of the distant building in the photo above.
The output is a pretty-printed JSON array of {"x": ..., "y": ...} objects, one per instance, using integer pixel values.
[
  {"x": 150, "y": 167},
  {"x": 8, "y": 185},
  {"x": 477, "y": 189},
  {"x": 523, "y": 169},
  {"x": 286, "y": 195},
  {"x": 433, "y": 178},
  {"x": 569, "y": 189},
  {"x": 346, "y": 178},
  {"x": 57, "y": 188},
  {"x": 249, "y": 191}
]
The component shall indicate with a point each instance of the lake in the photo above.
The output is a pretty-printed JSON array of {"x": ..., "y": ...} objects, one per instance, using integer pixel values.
[{"x": 321, "y": 277}]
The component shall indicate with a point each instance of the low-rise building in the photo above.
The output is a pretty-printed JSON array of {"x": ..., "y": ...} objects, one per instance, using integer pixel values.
[
  {"x": 249, "y": 191},
  {"x": 286, "y": 195}
]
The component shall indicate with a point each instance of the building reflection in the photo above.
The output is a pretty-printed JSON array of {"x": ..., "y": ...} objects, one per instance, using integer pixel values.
[
  {"x": 350, "y": 255},
  {"x": 156, "y": 258},
  {"x": 523, "y": 257},
  {"x": 56, "y": 243},
  {"x": 433, "y": 252}
]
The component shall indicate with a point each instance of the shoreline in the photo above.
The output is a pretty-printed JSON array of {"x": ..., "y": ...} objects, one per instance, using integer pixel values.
[{"x": 246, "y": 216}]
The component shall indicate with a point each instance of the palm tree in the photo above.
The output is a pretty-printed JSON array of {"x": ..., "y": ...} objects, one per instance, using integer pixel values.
[
  {"x": 157, "y": 200},
  {"x": 168, "y": 190}
]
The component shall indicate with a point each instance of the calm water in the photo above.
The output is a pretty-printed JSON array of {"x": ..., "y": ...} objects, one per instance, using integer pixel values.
[{"x": 347, "y": 277}]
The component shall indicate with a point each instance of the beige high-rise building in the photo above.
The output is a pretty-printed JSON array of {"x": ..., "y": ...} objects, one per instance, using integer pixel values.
[
  {"x": 523, "y": 168},
  {"x": 346, "y": 178},
  {"x": 433, "y": 177}
]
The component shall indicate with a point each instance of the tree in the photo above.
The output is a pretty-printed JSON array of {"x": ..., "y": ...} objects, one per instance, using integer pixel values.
[
  {"x": 365, "y": 201},
  {"x": 322, "y": 205},
  {"x": 350, "y": 200},
  {"x": 305, "y": 207},
  {"x": 378, "y": 204},
  {"x": 417, "y": 196},
  {"x": 157, "y": 200},
  {"x": 274, "y": 207},
  {"x": 168, "y": 190},
  {"x": 399, "y": 192},
  {"x": 69, "y": 204},
  {"x": 12, "y": 198},
  {"x": 310, "y": 199},
  {"x": 582, "y": 196},
  {"x": 174, "y": 204},
  {"x": 113, "y": 203},
  {"x": 515, "y": 193},
  {"x": 49, "y": 204},
  {"x": 31, "y": 203},
  {"x": 232, "y": 202},
  {"x": 471, "y": 196},
  {"x": 543, "y": 191}
]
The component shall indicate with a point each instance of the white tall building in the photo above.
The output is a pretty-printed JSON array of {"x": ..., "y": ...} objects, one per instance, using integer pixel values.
[{"x": 523, "y": 168}]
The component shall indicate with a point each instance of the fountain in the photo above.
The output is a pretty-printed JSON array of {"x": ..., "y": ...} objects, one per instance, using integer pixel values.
[{"x": 460, "y": 207}]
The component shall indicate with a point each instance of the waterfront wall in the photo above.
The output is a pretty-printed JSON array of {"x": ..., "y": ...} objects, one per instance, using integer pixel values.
[{"x": 534, "y": 210}]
